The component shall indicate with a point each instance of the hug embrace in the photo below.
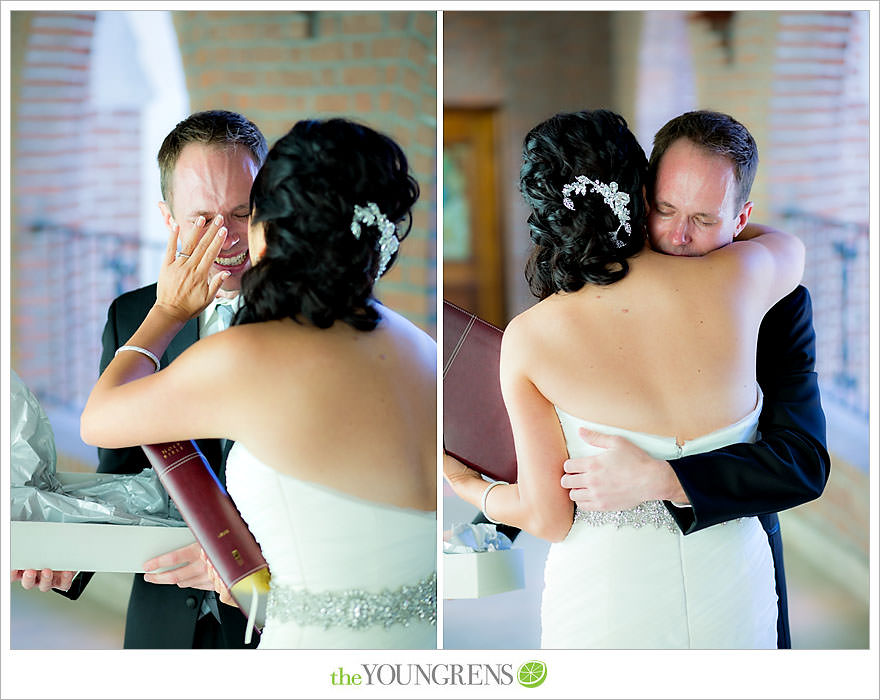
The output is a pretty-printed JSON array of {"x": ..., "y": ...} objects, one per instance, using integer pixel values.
[{"x": 662, "y": 392}]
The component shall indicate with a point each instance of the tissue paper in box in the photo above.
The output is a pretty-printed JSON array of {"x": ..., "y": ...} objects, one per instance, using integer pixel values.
[
  {"x": 478, "y": 574},
  {"x": 90, "y": 546}
]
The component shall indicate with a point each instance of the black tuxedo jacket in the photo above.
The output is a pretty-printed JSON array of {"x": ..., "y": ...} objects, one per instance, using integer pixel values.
[
  {"x": 161, "y": 616},
  {"x": 789, "y": 465}
]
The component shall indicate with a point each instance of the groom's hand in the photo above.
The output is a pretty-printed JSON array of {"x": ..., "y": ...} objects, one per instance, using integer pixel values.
[
  {"x": 44, "y": 579},
  {"x": 620, "y": 477},
  {"x": 190, "y": 571},
  {"x": 222, "y": 591}
]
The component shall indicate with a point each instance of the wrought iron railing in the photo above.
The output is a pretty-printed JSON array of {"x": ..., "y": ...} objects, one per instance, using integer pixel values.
[
  {"x": 64, "y": 279},
  {"x": 838, "y": 276}
]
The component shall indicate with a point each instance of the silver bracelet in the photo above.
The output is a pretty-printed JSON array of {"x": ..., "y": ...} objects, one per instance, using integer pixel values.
[
  {"x": 483, "y": 500},
  {"x": 142, "y": 351}
]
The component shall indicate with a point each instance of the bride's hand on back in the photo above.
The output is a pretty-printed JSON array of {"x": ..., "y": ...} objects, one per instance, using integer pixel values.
[{"x": 186, "y": 285}]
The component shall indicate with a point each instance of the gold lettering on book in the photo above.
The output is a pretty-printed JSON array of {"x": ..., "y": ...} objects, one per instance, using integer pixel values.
[
  {"x": 222, "y": 533},
  {"x": 237, "y": 557},
  {"x": 171, "y": 450}
]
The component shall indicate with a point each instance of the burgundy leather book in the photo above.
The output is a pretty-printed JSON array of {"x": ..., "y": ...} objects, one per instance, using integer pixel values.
[
  {"x": 215, "y": 521},
  {"x": 476, "y": 428}
]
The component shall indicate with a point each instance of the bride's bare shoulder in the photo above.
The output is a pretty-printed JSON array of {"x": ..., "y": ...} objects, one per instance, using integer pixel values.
[
  {"x": 404, "y": 329},
  {"x": 255, "y": 344},
  {"x": 526, "y": 330},
  {"x": 534, "y": 323}
]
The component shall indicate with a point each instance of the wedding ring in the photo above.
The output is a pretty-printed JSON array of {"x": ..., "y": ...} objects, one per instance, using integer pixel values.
[{"x": 182, "y": 255}]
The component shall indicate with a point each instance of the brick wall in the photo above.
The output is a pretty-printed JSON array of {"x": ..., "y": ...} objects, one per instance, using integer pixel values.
[
  {"x": 74, "y": 182},
  {"x": 818, "y": 184},
  {"x": 374, "y": 67},
  {"x": 662, "y": 83}
]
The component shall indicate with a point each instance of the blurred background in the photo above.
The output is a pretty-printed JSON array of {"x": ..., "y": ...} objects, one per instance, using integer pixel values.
[
  {"x": 799, "y": 82},
  {"x": 93, "y": 95}
]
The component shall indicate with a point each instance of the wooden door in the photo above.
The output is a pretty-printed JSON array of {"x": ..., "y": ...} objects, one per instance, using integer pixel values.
[{"x": 472, "y": 250}]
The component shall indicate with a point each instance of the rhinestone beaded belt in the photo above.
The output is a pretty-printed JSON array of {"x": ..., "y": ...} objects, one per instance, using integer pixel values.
[
  {"x": 647, "y": 513},
  {"x": 356, "y": 608}
]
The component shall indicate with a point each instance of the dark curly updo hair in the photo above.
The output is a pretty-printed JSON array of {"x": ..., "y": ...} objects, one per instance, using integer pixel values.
[
  {"x": 313, "y": 267},
  {"x": 574, "y": 247}
]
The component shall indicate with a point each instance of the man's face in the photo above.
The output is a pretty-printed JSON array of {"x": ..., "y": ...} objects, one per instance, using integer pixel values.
[
  {"x": 210, "y": 180},
  {"x": 694, "y": 209}
]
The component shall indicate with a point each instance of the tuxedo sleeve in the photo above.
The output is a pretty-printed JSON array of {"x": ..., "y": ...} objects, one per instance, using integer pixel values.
[
  {"x": 789, "y": 464},
  {"x": 126, "y": 460}
]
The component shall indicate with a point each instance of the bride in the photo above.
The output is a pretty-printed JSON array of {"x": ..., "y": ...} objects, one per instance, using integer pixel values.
[
  {"x": 329, "y": 396},
  {"x": 658, "y": 349}
]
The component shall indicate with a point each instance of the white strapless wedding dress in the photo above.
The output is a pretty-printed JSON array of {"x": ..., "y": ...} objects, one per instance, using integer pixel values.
[
  {"x": 631, "y": 580},
  {"x": 346, "y": 573}
]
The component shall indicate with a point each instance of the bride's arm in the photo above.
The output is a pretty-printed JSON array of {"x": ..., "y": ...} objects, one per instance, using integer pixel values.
[
  {"x": 766, "y": 262},
  {"x": 752, "y": 229},
  {"x": 537, "y": 503},
  {"x": 132, "y": 404}
]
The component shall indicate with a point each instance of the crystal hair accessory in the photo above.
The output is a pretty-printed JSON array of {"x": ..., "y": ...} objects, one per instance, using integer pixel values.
[
  {"x": 370, "y": 215},
  {"x": 616, "y": 200}
]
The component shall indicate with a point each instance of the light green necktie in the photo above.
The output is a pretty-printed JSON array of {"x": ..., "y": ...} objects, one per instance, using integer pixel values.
[{"x": 225, "y": 313}]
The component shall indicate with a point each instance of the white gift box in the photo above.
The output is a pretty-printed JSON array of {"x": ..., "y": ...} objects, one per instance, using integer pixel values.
[
  {"x": 479, "y": 574},
  {"x": 90, "y": 546}
]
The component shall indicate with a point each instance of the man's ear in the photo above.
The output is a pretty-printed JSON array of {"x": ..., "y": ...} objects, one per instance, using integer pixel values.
[
  {"x": 645, "y": 197},
  {"x": 167, "y": 216},
  {"x": 742, "y": 218}
]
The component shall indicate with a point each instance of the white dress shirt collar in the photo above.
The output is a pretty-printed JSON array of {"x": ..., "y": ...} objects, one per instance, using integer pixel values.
[{"x": 210, "y": 321}]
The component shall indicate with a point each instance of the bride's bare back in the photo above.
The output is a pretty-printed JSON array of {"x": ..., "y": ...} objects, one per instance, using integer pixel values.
[
  {"x": 668, "y": 350},
  {"x": 353, "y": 410}
]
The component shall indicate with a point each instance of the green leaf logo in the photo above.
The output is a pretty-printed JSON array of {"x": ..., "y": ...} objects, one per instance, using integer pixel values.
[{"x": 531, "y": 674}]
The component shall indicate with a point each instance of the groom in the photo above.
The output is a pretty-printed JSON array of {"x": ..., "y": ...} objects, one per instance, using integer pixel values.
[
  {"x": 695, "y": 207},
  {"x": 207, "y": 165}
]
